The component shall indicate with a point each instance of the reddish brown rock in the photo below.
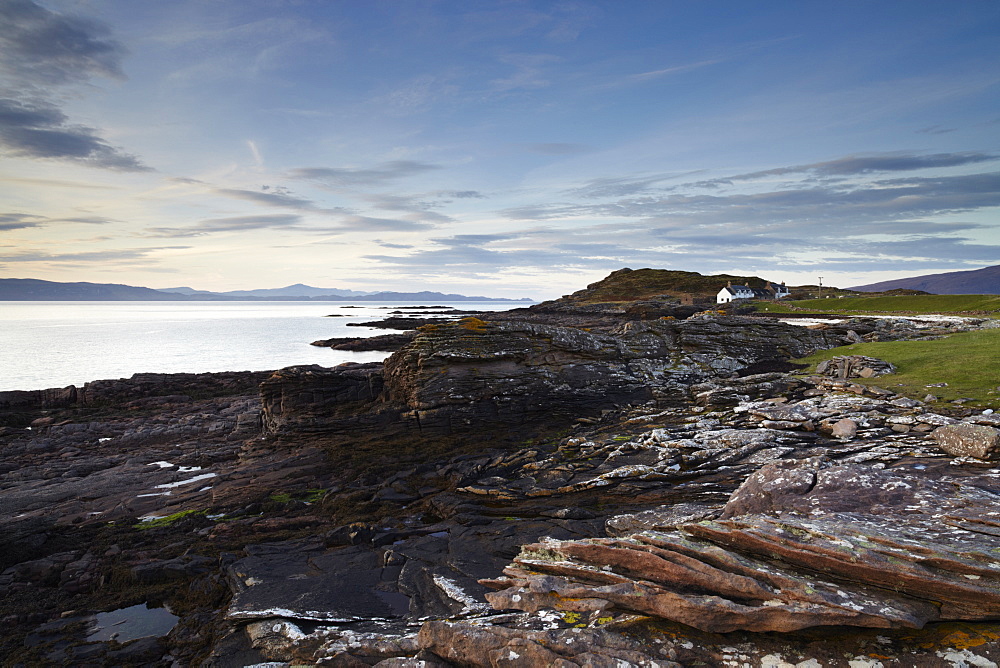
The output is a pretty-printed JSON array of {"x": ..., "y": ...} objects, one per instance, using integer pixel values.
[
  {"x": 834, "y": 537},
  {"x": 469, "y": 644}
]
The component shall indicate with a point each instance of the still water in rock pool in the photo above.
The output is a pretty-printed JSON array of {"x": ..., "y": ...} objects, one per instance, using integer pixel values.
[{"x": 137, "y": 621}]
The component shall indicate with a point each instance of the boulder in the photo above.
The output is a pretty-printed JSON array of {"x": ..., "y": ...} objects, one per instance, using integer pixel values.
[
  {"x": 854, "y": 366},
  {"x": 844, "y": 428},
  {"x": 968, "y": 440}
]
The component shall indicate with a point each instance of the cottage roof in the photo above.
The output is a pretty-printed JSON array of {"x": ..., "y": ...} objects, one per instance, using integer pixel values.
[{"x": 769, "y": 291}]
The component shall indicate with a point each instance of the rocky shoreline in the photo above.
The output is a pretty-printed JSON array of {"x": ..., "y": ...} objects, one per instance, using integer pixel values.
[{"x": 563, "y": 485}]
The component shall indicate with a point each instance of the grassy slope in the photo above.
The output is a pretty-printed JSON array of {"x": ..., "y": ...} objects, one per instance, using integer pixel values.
[
  {"x": 969, "y": 362},
  {"x": 979, "y": 304}
]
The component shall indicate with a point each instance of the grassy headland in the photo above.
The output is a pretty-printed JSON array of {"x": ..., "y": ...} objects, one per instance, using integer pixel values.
[
  {"x": 968, "y": 362},
  {"x": 631, "y": 285},
  {"x": 904, "y": 304}
]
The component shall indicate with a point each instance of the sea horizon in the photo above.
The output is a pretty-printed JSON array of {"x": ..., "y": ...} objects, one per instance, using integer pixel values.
[{"x": 55, "y": 344}]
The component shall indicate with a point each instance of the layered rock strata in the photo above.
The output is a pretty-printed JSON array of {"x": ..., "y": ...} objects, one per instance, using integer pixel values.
[
  {"x": 469, "y": 375},
  {"x": 800, "y": 544}
]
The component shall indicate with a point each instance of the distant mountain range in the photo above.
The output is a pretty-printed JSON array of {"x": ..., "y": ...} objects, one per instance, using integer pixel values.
[
  {"x": 30, "y": 289},
  {"x": 297, "y": 290},
  {"x": 984, "y": 281}
]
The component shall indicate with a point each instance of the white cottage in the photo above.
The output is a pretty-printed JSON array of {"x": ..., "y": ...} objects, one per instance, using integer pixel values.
[
  {"x": 731, "y": 292},
  {"x": 769, "y": 291}
]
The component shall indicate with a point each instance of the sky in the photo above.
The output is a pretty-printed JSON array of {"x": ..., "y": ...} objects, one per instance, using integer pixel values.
[{"x": 500, "y": 148}]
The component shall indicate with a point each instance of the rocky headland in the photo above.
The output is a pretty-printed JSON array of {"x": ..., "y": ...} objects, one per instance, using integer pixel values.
[{"x": 575, "y": 484}]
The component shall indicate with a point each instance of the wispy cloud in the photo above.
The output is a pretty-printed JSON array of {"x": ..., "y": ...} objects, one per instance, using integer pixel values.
[
  {"x": 415, "y": 207},
  {"x": 418, "y": 94},
  {"x": 935, "y": 130},
  {"x": 229, "y": 224},
  {"x": 642, "y": 77},
  {"x": 58, "y": 183},
  {"x": 557, "y": 148},
  {"x": 350, "y": 177},
  {"x": 530, "y": 72},
  {"x": 460, "y": 194},
  {"x": 128, "y": 256},
  {"x": 856, "y": 165},
  {"x": 342, "y": 223},
  {"x": 269, "y": 197},
  {"x": 419, "y": 214},
  {"x": 16, "y": 221},
  {"x": 370, "y": 224},
  {"x": 620, "y": 186}
]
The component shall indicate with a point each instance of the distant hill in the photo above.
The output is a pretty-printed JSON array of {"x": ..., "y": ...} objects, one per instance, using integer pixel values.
[
  {"x": 185, "y": 291},
  {"x": 422, "y": 297},
  {"x": 984, "y": 281},
  {"x": 307, "y": 292},
  {"x": 30, "y": 289},
  {"x": 631, "y": 285},
  {"x": 297, "y": 290}
]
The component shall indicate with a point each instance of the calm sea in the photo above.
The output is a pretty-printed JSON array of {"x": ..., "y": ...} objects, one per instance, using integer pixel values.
[{"x": 55, "y": 344}]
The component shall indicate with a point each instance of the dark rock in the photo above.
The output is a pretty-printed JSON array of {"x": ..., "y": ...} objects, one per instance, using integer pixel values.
[
  {"x": 386, "y": 342},
  {"x": 315, "y": 398},
  {"x": 143, "y": 651},
  {"x": 461, "y": 377},
  {"x": 181, "y": 568},
  {"x": 400, "y": 323}
]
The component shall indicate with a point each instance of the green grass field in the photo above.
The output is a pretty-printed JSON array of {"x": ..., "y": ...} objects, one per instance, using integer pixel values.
[
  {"x": 918, "y": 304},
  {"x": 969, "y": 362}
]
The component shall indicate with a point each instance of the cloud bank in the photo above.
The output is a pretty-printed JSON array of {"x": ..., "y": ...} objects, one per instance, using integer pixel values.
[
  {"x": 881, "y": 212},
  {"x": 41, "y": 51}
]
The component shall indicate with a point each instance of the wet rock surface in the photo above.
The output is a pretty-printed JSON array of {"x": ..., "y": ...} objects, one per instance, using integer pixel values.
[{"x": 672, "y": 508}]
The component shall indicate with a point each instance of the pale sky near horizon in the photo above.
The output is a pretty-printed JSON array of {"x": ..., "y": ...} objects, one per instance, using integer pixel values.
[{"x": 503, "y": 148}]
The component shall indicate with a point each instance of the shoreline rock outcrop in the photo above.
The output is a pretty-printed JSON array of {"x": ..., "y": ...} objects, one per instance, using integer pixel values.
[
  {"x": 504, "y": 492},
  {"x": 526, "y": 378}
]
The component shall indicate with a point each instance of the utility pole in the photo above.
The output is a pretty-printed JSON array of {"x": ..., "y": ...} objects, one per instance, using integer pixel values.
[{"x": 820, "y": 287}]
